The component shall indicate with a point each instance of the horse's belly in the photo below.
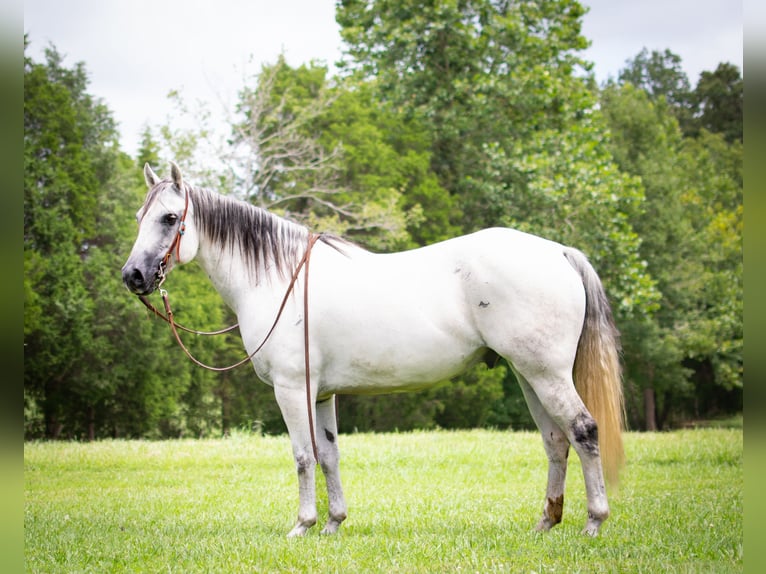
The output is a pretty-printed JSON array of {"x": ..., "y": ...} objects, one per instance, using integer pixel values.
[
  {"x": 396, "y": 350},
  {"x": 401, "y": 370}
]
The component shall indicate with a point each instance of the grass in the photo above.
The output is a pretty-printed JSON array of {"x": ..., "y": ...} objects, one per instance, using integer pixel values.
[{"x": 418, "y": 502}]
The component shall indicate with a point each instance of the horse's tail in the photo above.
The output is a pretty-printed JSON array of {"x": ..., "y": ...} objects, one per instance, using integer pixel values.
[{"x": 597, "y": 372}]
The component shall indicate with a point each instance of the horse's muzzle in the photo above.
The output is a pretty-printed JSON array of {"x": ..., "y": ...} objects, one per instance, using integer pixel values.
[{"x": 137, "y": 281}]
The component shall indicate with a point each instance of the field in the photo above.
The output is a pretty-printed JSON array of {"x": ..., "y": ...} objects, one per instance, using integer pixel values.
[{"x": 418, "y": 502}]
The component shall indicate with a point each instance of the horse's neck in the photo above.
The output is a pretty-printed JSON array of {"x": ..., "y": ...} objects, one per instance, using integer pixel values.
[
  {"x": 220, "y": 268},
  {"x": 228, "y": 272}
]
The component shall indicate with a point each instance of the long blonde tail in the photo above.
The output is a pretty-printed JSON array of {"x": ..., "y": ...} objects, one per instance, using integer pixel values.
[{"x": 597, "y": 371}]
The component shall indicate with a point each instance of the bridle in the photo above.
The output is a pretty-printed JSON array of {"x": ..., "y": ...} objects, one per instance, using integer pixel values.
[
  {"x": 176, "y": 245},
  {"x": 168, "y": 316}
]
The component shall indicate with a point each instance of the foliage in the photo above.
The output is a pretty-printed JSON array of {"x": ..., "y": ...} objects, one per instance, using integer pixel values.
[
  {"x": 661, "y": 75},
  {"x": 512, "y": 128},
  {"x": 715, "y": 104},
  {"x": 514, "y": 133},
  {"x": 475, "y": 72},
  {"x": 446, "y": 117},
  {"x": 67, "y": 141},
  {"x": 324, "y": 153},
  {"x": 94, "y": 365},
  {"x": 418, "y": 502},
  {"x": 719, "y": 99},
  {"x": 471, "y": 400},
  {"x": 691, "y": 239}
]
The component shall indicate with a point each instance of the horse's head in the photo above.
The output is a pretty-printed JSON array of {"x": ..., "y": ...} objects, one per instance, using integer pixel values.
[{"x": 166, "y": 232}]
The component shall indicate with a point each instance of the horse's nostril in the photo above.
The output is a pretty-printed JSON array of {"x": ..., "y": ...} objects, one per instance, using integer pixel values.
[
  {"x": 134, "y": 279},
  {"x": 137, "y": 278}
]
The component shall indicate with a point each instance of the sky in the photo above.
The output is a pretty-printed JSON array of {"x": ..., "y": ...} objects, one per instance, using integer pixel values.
[{"x": 137, "y": 51}]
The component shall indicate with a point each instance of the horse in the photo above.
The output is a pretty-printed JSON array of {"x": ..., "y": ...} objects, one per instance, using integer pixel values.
[{"x": 396, "y": 322}]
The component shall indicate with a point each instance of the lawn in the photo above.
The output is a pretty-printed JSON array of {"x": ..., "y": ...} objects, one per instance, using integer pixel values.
[{"x": 418, "y": 502}]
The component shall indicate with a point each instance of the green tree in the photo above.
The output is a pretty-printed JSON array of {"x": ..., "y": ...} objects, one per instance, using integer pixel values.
[
  {"x": 690, "y": 234},
  {"x": 321, "y": 151},
  {"x": 719, "y": 100},
  {"x": 66, "y": 138},
  {"x": 471, "y": 401},
  {"x": 149, "y": 152},
  {"x": 93, "y": 364},
  {"x": 715, "y": 104},
  {"x": 386, "y": 160},
  {"x": 514, "y": 134},
  {"x": 475, "y": 72},
  {"x": 327, "y": 153},
  {"x": 661, "y": 75}
]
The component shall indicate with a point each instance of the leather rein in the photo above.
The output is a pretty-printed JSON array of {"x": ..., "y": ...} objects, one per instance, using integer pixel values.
[{"x": 168, "y": 315}]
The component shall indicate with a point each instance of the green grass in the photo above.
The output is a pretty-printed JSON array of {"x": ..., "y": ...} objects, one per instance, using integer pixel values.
[{"x": 418, "y": 502}]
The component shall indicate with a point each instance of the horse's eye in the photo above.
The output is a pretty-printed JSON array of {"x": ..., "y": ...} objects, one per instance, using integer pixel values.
[{"x": 170, "y": 219}]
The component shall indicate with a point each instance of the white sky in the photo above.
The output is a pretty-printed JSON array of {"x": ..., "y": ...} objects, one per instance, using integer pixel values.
[{"x": 136, "y": 51}]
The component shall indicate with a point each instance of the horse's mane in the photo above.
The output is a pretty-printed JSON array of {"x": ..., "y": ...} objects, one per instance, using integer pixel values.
[{"x": 266, "y": 241}]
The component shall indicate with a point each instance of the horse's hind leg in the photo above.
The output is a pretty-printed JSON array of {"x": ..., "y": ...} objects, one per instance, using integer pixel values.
[
  {"x": 557, "y": 449},
  {"x": 329, "y": 459},
  {"x": 557, "y": 395}
]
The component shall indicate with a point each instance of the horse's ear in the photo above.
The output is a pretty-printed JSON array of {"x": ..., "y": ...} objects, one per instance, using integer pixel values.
[
  {"x": 150, "y": 177},
  {"x": 175, "y": 175}
]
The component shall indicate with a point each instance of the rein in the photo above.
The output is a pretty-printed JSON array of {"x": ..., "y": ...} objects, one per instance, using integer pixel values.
[{"x": 168, "y": 316}]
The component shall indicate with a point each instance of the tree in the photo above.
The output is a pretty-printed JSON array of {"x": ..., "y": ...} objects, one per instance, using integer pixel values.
[
  {"x": 719, "y": 100},
  {"x": 67, "y": 136},
  {"x": 659, "y": 74},
  {"x": 93, "y": 365},
  {"x": 715, "y": 104},
  {"x": 297, "y": 146},
  {"x": 149, "y": 152},
  {"x": 690, "y": 234},
  {"x": 514, "y": 134},
  {"x": 386, "y": 161},
  {"x": 475, "y": 72}
]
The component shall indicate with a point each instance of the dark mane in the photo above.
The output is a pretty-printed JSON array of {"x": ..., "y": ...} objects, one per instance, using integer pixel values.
[{"x": 266, "y": 241}]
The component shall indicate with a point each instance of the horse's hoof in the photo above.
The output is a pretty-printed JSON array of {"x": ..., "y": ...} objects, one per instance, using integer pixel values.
[
  {"x": 297, "y": 532},
  {"x": 544, "y": 525},
  {"x": 594, "y": 522},
  {"x": 300, "y": 529},
  {"x": 591, "y": 528},
  {"x": 333, "y": 523}
]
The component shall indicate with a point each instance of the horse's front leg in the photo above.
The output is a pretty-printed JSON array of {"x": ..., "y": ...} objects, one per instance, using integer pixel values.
[
  {"x": 329, "y": 459},
  {"x": 292, "y": 403}
]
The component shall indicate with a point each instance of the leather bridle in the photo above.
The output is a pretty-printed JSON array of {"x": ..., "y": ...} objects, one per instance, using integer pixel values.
[
  {"x": 168, "y": 316},
  {"x": 176, "y": 245}
]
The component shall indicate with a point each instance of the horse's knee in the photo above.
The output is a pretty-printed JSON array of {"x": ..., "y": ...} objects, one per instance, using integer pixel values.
[
  {"x": 585, "y": 433},
  {"x": 304, "y": 463}
]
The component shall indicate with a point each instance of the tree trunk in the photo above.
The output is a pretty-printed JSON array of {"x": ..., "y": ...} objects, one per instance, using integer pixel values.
[
  {"x": 650, "y": 409},
  {"x": 225, "y": 406},
  {"x": 91, "y": 423}
]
